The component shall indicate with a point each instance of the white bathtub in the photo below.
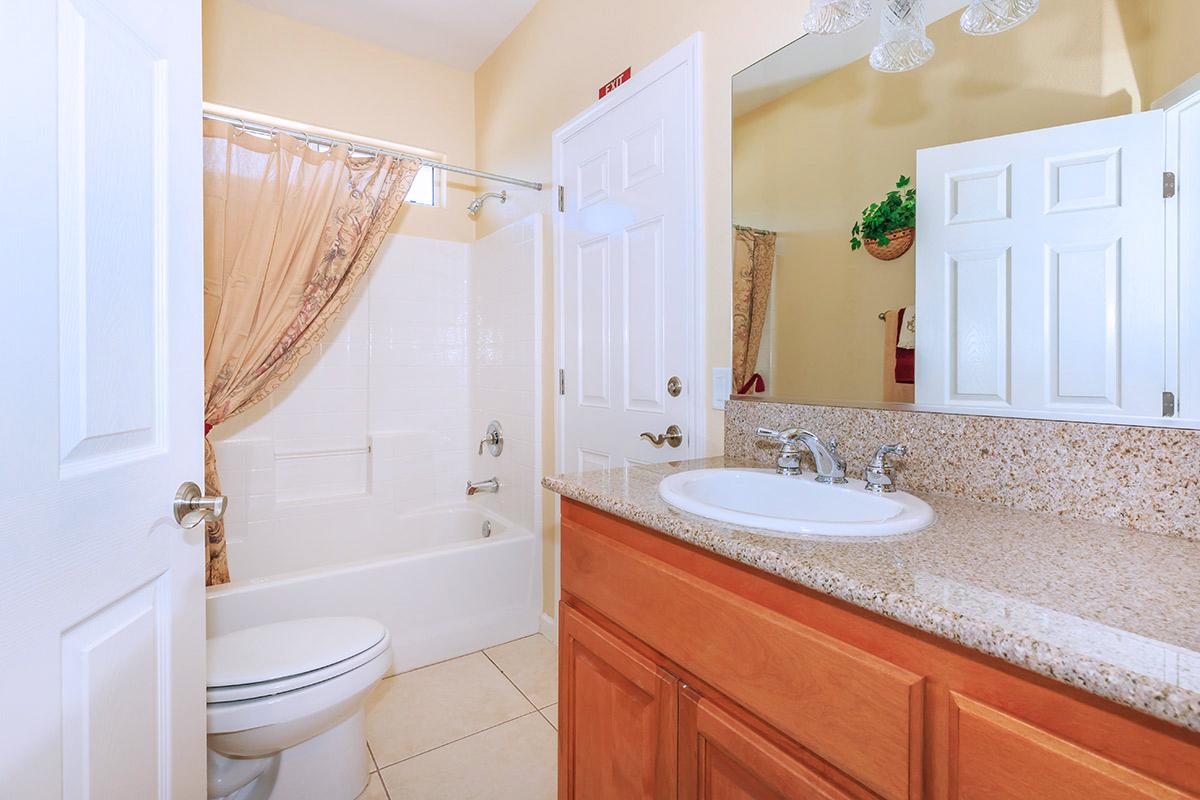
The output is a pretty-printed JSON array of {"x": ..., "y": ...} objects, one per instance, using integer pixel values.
[{"x": 440, "y": 587}]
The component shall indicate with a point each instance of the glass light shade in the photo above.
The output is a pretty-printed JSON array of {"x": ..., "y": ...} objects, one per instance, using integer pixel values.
[
  {"x": 835, "y": 16},
  {"x": 986, "y": 17},
  {"x": 903, "y": 44}
]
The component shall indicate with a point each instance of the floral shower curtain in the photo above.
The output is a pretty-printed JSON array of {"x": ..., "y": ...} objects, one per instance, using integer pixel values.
[
  {"x": 288, "y": 233},
  {"x": 753, "y": 266}
]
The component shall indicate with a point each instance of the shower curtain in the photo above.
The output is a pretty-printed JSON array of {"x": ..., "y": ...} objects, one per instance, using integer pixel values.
[
  {"x": 288, "y": 233},
  {"x": 753, "y": 265}
]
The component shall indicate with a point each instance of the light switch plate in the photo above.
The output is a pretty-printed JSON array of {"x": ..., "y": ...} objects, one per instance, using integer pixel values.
[{"x": 722, "y": 386}]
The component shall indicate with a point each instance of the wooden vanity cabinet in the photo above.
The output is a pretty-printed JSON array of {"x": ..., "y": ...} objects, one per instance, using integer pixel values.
[{"x": 685, "y": 675}]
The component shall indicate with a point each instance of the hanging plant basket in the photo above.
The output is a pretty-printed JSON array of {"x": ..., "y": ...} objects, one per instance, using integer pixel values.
[
  {"x": 886, "y": 228},
  {"x": 898, "y": 244}
]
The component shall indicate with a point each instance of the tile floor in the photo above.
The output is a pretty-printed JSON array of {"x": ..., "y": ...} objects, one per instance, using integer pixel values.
[{"x": 478, "y": 726}]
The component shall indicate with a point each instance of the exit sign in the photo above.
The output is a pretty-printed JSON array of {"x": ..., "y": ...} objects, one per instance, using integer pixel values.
[{"x": 615, "y": 82}]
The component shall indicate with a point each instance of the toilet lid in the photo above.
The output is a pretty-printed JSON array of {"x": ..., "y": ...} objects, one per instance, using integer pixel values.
[{"x": 282, "y": 650}]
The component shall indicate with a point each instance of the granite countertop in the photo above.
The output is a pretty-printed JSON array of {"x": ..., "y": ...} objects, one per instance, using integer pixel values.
[{"x": 1112, "y": 611}]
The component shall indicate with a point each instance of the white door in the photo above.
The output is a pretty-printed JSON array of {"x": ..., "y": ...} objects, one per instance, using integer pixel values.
[
  {"x": 102, "y": 673},
  {"x": 627, "y": 272},
  {"x": 1183, "y": 254},
  {"x": 1040, "y": 270}
]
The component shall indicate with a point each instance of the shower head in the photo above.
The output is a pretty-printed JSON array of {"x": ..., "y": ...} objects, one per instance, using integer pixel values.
[{"x": 477, "y": 203}]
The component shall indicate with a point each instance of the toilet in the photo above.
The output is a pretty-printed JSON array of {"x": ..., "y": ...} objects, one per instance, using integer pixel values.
[{"x": 286, "y": 708}]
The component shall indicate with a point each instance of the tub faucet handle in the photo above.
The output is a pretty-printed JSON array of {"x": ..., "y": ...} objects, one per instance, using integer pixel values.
[
  {"x": 490, "y": 485},
  {"x": 493, "y": 440}
]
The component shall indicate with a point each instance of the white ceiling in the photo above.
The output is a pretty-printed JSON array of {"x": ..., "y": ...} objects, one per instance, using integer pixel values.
[{"x": 459, "y": 33}]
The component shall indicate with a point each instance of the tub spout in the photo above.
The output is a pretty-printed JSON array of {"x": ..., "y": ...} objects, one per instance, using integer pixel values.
[{"x": 490, "y": 485}]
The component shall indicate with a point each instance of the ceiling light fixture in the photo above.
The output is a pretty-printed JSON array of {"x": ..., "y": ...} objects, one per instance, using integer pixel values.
[
  {"x": 836, "y": 16},
  {"x": 903, "y": 44},
  {"x": 988, "y": 17}
]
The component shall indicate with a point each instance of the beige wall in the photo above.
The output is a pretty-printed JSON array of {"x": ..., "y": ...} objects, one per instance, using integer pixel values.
[
  {"x": 548, "y": 70},
  {"x": 807, "y": 164},
  {"x": 1161, "y": 35},
  {"x": 276, "y": 65}
]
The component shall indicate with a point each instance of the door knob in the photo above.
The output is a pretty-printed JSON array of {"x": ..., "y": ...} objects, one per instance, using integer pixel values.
[
  {"x": 192, "y": 507},
  {"x": 673, "y": 436}
]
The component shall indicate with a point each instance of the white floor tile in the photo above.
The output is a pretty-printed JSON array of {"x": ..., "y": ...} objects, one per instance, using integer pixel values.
[
  {"x": 551, "y": 715},
  {"x": 513, "y": 761},
  {"x": 428, "y": 707},
  {"x": 532, "y": 664}
]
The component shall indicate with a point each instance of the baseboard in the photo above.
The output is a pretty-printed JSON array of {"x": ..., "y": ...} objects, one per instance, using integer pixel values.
[{"x": 548, "y": 627}]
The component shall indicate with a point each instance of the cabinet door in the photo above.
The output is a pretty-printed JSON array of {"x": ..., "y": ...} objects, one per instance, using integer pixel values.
[
  {"x": 722, "y": 758},
  {"x": 996, "y": 756},
  {"x": 617, "y": 717}
]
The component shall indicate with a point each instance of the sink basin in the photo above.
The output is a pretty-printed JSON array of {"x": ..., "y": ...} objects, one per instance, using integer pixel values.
[{"x": 793, "y": 505}]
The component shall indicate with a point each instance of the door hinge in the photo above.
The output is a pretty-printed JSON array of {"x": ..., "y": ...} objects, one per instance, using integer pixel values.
[
  {"x": 1168, "y": 184},
  {"x": 562, "y": 382},
  {"x": 1168, "y": 404},
  {"x": 562, "y": 202}
]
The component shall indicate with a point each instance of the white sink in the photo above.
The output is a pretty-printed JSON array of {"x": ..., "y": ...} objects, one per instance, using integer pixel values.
[{"x": 761, "y": 498}]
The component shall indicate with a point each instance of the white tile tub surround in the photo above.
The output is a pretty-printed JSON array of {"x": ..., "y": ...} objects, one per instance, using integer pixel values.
[
  {"x": 389, "y": 377},
  {"x": 505, "y": 295},
  {"x": 346, "y": 486}
]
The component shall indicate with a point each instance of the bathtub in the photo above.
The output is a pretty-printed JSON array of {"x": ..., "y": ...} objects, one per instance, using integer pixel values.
[{"x": 432, "y": 578}]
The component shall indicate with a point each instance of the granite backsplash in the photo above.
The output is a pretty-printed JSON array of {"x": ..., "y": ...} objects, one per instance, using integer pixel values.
[{"x": 1143, "y": 478}]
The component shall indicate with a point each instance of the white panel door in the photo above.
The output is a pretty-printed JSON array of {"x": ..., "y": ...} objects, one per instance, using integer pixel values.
[
  {"x": 627, "y": 267},
  {"x": 1183, "y": 259},
  {"x": 1040, "y": 271},
  {"x": 102, "y": 669}
]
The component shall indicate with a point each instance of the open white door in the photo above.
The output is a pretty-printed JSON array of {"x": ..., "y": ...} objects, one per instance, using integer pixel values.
[
  {"x": 629, "y": 301},
  {"x": 1040, "y": 272},
  {"x": 102, "y": 672}
]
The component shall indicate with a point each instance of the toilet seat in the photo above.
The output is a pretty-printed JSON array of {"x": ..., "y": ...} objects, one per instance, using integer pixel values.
[{"x": 285, "y": 656}]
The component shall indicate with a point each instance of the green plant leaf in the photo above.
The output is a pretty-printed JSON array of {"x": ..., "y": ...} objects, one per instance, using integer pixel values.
[{"x": 895, "y": 212}]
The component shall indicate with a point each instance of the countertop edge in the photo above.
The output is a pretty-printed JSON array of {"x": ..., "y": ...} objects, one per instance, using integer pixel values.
[{"x": 1156, "y": 698}]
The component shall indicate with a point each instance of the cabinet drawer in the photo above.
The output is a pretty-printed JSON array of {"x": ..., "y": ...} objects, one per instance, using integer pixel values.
[
  {"x": 996, "y": 756},
  {"x": 858, "y": 712}
]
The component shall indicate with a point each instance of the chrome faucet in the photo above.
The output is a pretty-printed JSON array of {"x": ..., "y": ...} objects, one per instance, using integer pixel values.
[
  {"x": 490, "y": 485},
  {"x": 831, "y": 467},
  {"x": 878, "y": 473}
]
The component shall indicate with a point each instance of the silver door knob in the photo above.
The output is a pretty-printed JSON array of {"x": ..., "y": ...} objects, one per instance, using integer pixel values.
[
  {"x": 673, "y": 436},
  {"x": 192, "y": 507}
]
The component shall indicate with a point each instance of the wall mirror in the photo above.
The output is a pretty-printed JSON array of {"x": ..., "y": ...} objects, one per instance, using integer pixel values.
[{"x": 1049, "y": 267}]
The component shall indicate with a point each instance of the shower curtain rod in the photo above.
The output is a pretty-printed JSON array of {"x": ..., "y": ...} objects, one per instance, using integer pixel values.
[{"x": 313, "y": 138}]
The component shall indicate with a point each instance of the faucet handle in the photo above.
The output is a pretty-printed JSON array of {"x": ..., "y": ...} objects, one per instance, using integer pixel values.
[
  {"x": 767, "y": 433},
  {"x": 885, "y": 450},
  {"x": 878, "y": 474}
]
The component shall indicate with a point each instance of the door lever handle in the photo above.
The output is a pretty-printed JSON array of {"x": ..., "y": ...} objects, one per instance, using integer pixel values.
[
  {"x": 192, "y": 507},
  {"x": 673, "y": 436}
]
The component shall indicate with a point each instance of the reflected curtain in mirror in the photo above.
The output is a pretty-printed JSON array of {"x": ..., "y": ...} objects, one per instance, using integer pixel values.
[
  {"x": 753, "y": 268},
  {"x": 288, "y": 233}
]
